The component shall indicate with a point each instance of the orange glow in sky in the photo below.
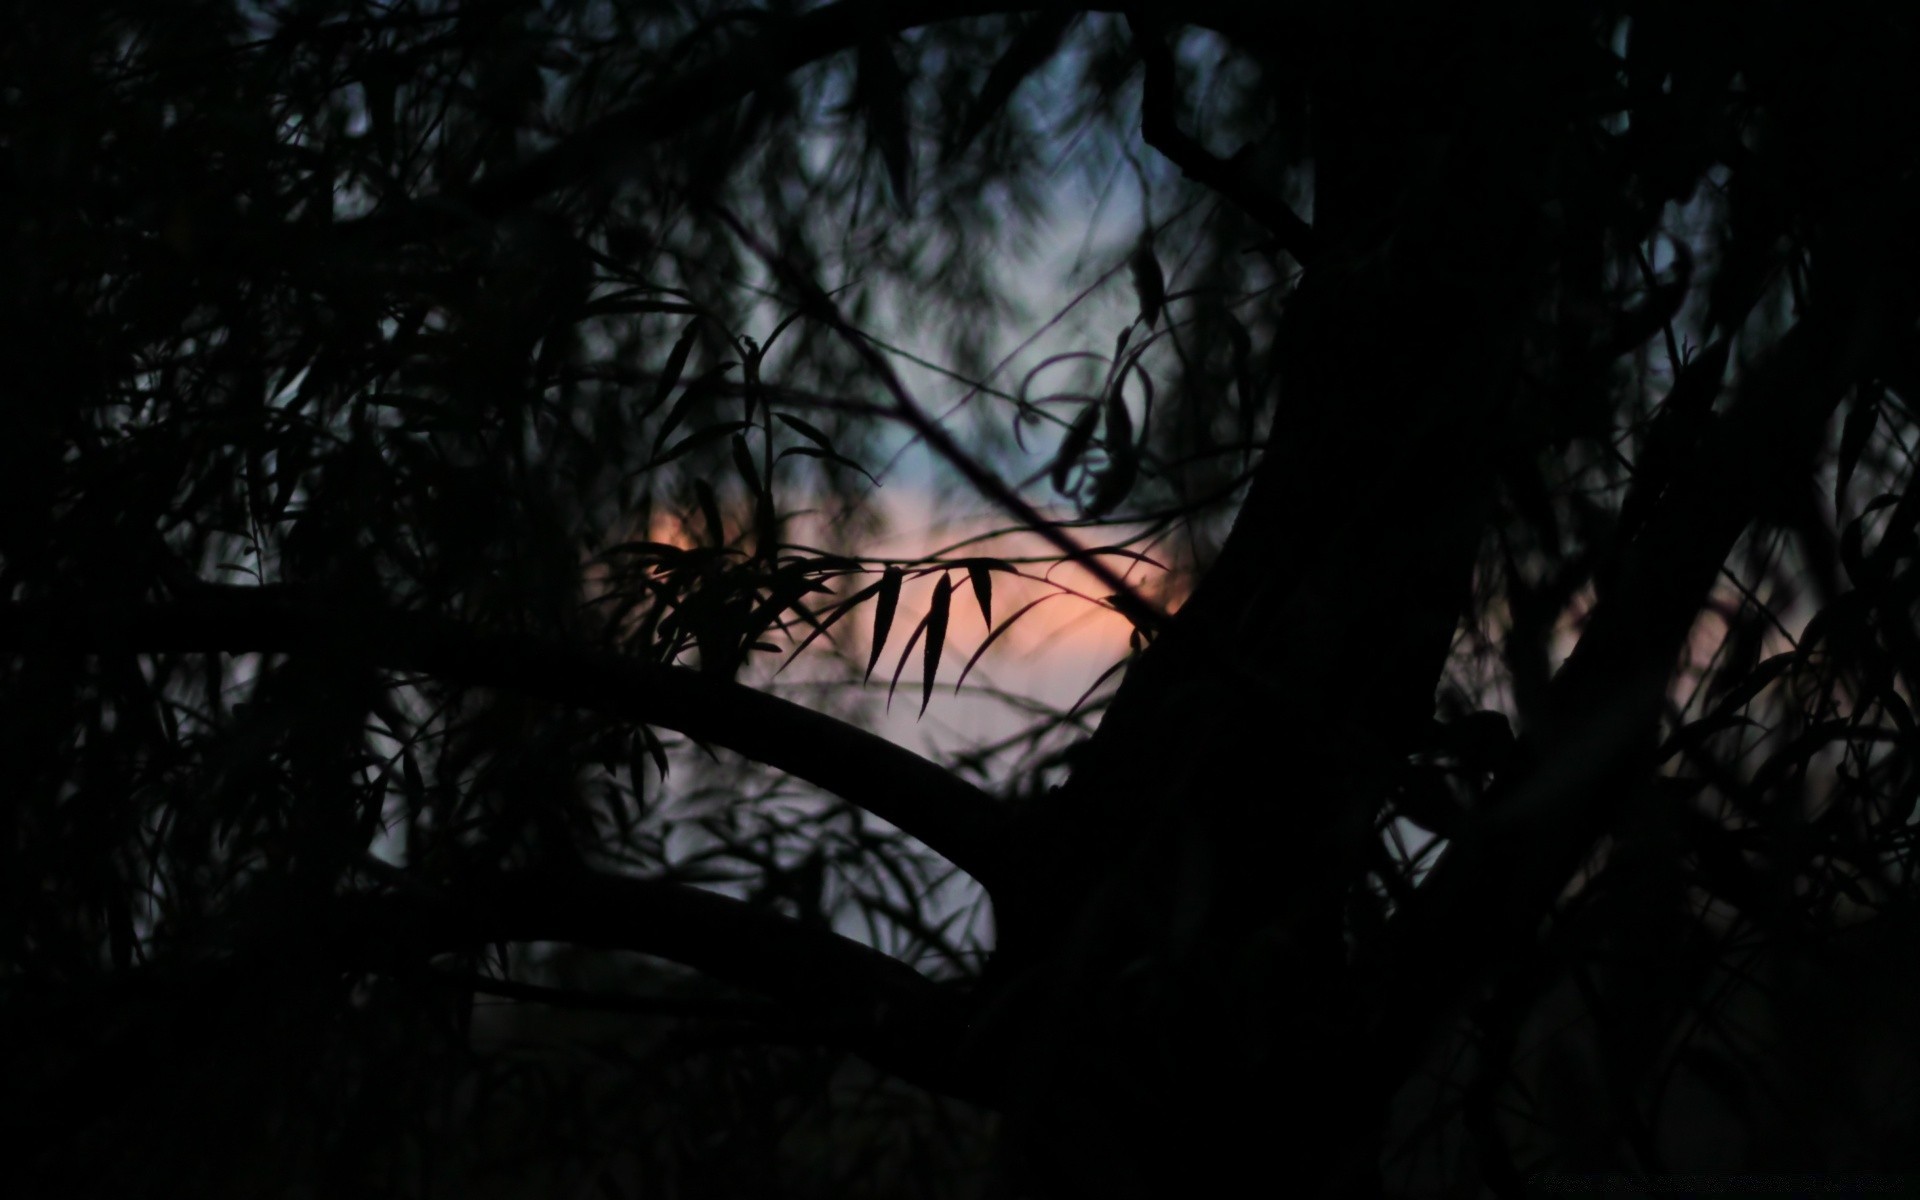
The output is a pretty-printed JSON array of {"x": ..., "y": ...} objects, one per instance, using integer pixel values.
[{"x": 1052, "y": 653}]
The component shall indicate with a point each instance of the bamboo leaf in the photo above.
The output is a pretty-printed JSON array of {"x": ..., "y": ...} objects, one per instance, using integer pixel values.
[
  {"x": 888, "y": 603},
  {"x": 1123, "y": 465},
  {"x": 1074, "y": 445},
  {"x": 1135, "y": 555},
  {"x": 611, "y": 306},
  {"x": 936, "y": 636},
  {"x": 1095, "y": 685},
  {"x": 1757, "y": 679},
  {"x": 679, "y": 411},
  {"x": 883, "y": 103},
  {"x": 1149, "y": 283},
  {"x": 1119, "y": 418},
  {"x": 743, "y": 461},
  {"x": 410, "y": 771},
  {"x": 995, "y": 636},
  {"x": 829, "y": 457},
  {"x": 981, "y": 576},
  {"x": 710, "y": 509},
  {"x": 820, "y": 627},
  {"x": 806, "y": 430},
  {"x": 901, "y": 666},
  {"x": 1116, "y": 484},
  {"x": 1726, "y": 715},
  {"x": 994, "y": 564},
  {"x": 712, "y": 433},
  {"x": 766, "y": 525},
  {"x": 676, "y": 363}
]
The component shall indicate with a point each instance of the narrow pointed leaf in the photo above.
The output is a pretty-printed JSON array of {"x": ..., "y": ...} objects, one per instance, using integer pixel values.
[
  {"x": 806, "y": 430},
  {"x": 883, "y": 612},
  {"x": 700, "y": 437},
  {"x": 710, "y": 509},
  {"x": 1123, "y": 458},
  {"x": 1149, "y": 283},
  {"x": 766, "y": 526},
  {"x": 1095, "y": 685},
  {"x": 981, "y": 576},
  {"x": 678, "y": 413},
  {"x": 829, "y": 456},
  {"x": 1074, "y": 445},
  {"x": 820, "y": 627},
  {"x": 410, "y": 770},
  {"x": 995, "y": 636},
  {"x": 750, "y": 356},
  {"x": 901, "y": 666},
  {"x": 1116, "y": 484},
  {"x": 1119, "y": 418},
  {"x": 936, "y": 636},
  {"x": 1757, "y": 679},
  {"x": 883, "y": 102},
  {"x": 993, "y": 564},
  {"x": 1135, "y": 555},
  {"x": 676, "y": 363},
  {"x": 743, "y": 461}
]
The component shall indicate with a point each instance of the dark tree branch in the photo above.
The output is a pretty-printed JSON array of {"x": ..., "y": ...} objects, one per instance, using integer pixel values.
[
  {"x": 679, "y": 1007},
  {"x": 954, "y": 818},
  {"x": 1495, "y": 884},
  {"x": 1229, "y": 177},
  {"x": 853, "y": 995},
  {"x": 817, "y": 987}
]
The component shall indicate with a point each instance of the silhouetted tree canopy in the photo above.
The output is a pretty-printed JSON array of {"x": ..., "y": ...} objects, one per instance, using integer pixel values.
[{"x": 426, "y": 427}]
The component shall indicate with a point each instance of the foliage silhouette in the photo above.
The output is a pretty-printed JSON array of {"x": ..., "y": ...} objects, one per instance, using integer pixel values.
[{"x": 417, "y": 418}]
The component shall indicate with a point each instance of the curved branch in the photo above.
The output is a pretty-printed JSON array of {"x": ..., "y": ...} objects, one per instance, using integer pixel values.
[
  {"x": 954, "y": 818},
  {"x": 685, "y": 1008},
  {"x": 1228, "y": 177},
  {"x": 855, "y": 996},
  {"x": 815, "y": 985}
]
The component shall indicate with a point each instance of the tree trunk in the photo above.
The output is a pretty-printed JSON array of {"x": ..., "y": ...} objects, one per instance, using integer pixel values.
[{"x": 1189, "y": 965}]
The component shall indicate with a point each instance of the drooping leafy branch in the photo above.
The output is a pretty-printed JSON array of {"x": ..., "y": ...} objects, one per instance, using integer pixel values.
[{"x": 951, "y": 816}]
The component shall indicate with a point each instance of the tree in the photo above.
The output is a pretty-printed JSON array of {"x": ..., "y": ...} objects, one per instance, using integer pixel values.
[{"x": 409, "y": 415}]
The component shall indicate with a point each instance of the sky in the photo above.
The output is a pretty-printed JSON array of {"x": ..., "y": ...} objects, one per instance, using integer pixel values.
[{"x": 1063, "y": 645}]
